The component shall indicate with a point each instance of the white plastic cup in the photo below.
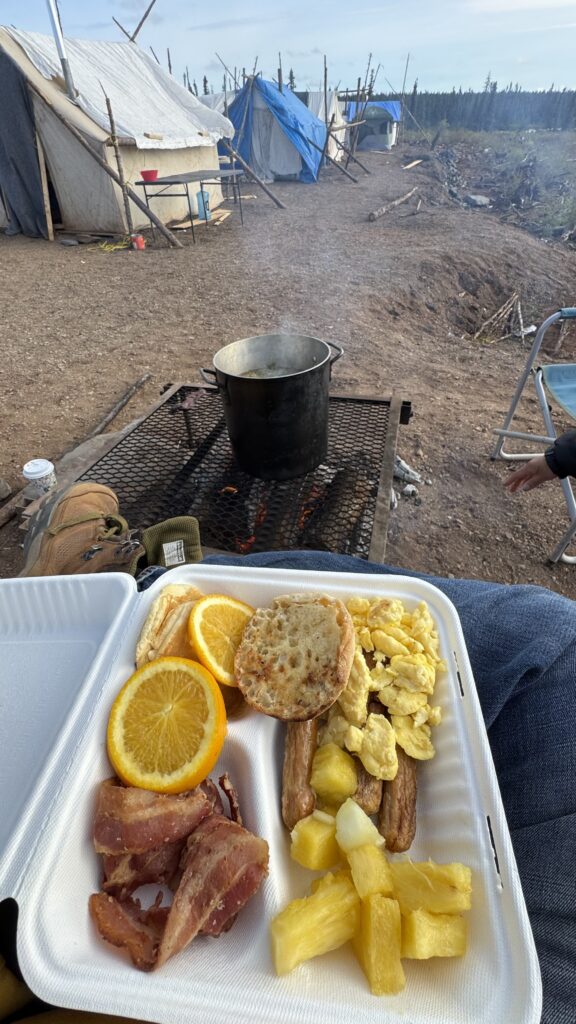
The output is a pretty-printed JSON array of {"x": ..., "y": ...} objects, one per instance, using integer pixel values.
[{"x": 40, "y": 476}]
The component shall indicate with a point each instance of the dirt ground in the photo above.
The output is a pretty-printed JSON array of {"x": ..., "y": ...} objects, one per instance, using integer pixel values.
[{"x": 403, "y": 295}]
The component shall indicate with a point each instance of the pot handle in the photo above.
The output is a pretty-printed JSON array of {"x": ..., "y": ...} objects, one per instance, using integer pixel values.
[
  {"x": 339, "y": 352},
  {"x": 209, "y": 376}
]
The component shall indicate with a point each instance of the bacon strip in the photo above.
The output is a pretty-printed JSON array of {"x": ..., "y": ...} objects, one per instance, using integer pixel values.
[
  {"x": 227, "y": 787},
  {"x": 130, "y": 820},
  {"x": 128, "y": 926},
  {"x": 224, "y": 866},
  {"x": 125, "y": 872}
]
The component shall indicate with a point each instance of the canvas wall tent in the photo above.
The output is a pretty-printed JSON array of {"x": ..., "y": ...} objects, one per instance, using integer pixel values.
[
  {"x": 218, "y": 100},
  {"x": 382, "y": 118},
  {"x": 274, "y": 132},
  {"x": 315, "y": 102},
  {"x": 46, "y": 173}
]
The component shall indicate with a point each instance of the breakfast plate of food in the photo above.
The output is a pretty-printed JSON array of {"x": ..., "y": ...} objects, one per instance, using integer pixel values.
[{"x": 271, "y": 798}]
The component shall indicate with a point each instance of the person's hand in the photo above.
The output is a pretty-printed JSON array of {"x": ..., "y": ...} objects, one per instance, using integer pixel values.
[{"x": 530, "y": 475}]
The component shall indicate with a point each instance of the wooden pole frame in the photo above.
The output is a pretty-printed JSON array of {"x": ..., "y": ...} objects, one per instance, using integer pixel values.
[
  {"x": 173, "y": 241},
  {"x": 120, "y": 166}
]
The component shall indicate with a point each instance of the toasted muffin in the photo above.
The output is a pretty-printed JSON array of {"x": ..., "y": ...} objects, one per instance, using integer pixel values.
[
  {"x": 164, "y": 631},
  {"x": 295, "y": 657}
]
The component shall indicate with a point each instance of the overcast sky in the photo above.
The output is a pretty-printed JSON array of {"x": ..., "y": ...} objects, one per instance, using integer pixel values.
[{"x": 450, "y": 42}]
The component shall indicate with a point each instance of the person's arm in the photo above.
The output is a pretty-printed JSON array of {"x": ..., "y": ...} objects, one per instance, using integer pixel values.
[
  {"x": 559, "y": 460},
  {"x": 561, "y": 456}
]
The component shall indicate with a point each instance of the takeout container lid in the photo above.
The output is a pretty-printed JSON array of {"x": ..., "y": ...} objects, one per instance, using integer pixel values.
[{"x": 66, "y": 645}]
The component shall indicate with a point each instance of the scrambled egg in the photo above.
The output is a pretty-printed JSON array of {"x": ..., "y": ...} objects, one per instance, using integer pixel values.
[
  {"x": 398, "y": 657},
  {"x": 413, "y": 672},
  {"x": 414, "y": 739},
  {"x": 354, "y": 698},
  {"x": 401, "y": 702},
  {"x": 375, "y": 745}
]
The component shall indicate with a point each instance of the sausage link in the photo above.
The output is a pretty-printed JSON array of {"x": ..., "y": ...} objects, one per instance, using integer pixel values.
[
  {"x": 397, "y": 815},
  {"x": 368, "y": 793},
  {"x": 298, "y": 797}
]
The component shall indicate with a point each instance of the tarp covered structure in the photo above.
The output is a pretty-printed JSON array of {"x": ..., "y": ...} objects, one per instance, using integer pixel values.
[
  {"x": 381, "y": 119},
  {"x": 275, "y": 132},
  {"x": 47, "y": 177}
]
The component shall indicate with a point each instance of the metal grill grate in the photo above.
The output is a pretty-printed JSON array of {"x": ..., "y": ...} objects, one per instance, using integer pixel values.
[{"x": 179, "y": 462}]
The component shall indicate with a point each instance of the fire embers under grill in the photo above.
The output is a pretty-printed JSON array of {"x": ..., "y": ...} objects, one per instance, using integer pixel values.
[{"x": 331, "y": 509}]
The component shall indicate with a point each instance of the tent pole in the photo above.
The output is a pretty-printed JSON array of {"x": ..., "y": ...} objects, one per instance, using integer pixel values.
[
  {"x": 236, "y": 156},
  {"x": 45, "y": 193},
  {"x": 120, "y": 166},
  {"x": 111, "y": 172},
  {"x": 354, "y": 134},
  {"x": 330, "y": 160},
  {"x": 59, "y": 40},
  {"x": 327, "y": 140}
]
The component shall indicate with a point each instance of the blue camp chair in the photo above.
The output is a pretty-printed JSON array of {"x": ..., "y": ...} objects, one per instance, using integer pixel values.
[{"x": 555, "y": 382}]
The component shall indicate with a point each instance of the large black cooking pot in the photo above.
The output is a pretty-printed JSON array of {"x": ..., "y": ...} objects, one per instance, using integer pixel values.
[{"x": 275, "y": 393}]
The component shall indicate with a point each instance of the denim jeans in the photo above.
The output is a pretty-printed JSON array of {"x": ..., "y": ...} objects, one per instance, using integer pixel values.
[{"x": 522, "y": 646}]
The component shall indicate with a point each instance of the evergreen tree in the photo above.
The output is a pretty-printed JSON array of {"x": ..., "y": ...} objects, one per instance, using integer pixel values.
[
  {"x": 205, "y": 88},
  {"x": 291, "y": 80}
]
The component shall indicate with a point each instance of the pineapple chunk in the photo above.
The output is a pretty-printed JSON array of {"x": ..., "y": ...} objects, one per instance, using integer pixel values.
[
  {"x": 313, "y": 842},
  {"x": 370, "y": 871},
  {"x": 425, "y": 935},
  {"x": 354, "y": 827},
  {"x": 316, "y": 924},
  {"x": 438, "y": 888},
  {"x": 377, "y": 944},
  {"x": 333, "y": 775}
]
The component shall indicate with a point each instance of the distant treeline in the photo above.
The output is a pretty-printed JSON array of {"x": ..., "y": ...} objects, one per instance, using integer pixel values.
[{"x": 493, "y": 108}]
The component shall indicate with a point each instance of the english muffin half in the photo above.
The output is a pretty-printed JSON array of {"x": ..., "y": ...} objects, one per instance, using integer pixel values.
[
  {"x": 161, "y": 626},
  {"x": 295, "y": 657}
]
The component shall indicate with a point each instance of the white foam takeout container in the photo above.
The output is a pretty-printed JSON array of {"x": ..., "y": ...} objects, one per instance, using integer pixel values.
[{"x": 66, "y": 646}]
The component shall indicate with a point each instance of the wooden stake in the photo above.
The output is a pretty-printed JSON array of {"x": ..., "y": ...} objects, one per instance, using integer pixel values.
[
  {"x": 154, "y": 55},
  {"x": 110, "y": 171},
  {"x": 169, "y": 61},
  {"x": 352, "y": 157},
  {"x": 121, "y": 27},
  {"x": 390, "y": 206},
  {"x": 142, "y": 20},
  {"x": 119, "y": 405},
  {"x": 331, "y": 161},
  {"x": 354, "y": 135},
  {"x": 280, "y": 72},
  {"x": 119, "y": 165},
  {"x": 236, "y": 156},
  {"x": 327, "y": 140},
  {"x": 45, "y": 192}
]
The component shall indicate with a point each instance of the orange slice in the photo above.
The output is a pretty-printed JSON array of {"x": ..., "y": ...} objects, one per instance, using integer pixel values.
[
  {"x": 215, "y": 630},
  {"x": 167, "y": 726}
]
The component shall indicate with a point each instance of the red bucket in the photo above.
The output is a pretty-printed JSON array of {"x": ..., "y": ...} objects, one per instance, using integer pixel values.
[{"x": 149, "y": 175}]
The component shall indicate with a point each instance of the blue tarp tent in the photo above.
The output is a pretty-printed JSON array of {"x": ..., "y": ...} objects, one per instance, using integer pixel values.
[
  {"x": 392, "y": 107},
  {"x": 274, "y": 131}
]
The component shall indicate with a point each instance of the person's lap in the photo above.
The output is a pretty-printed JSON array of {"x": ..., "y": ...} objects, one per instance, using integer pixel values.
[{"x": 522, "y": 646}]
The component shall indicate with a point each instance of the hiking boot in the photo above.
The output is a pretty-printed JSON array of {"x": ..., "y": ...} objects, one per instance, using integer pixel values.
[{"x": 79, "y": 531}]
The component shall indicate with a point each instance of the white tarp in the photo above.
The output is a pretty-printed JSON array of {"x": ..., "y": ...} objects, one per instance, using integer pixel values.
[
  {"x": 315, "y": 103},
  {"x": 144, "y": 98},
  {"x": 215, "y": 100}
]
